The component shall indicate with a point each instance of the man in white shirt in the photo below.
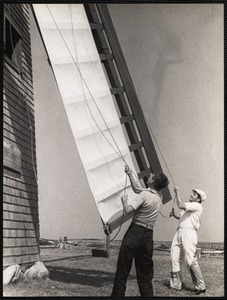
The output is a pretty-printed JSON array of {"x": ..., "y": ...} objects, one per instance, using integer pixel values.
[{"x": 185, "y": 240}]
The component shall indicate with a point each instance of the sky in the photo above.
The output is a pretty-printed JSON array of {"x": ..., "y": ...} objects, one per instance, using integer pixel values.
[{"x": 174, "y": 54}]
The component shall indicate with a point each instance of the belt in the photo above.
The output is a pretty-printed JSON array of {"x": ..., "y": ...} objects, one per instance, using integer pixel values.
[{"x": 145, "y": 227}]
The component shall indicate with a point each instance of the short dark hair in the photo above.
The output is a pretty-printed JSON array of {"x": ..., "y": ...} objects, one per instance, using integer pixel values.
[{"x": 160, "y": 181}]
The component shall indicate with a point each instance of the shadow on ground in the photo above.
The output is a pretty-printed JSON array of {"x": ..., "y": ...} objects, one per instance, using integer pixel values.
[
  {"x": 82, "y": 276},
  {"x": 67, "y": 258},
  {"x": 184, "y": 287}
]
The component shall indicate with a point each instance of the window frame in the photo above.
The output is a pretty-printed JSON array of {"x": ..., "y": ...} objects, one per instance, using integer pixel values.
[{"x": 15, "y": 59}]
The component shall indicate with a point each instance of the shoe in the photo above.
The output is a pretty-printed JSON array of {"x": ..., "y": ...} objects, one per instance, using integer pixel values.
[{"x": 198, "y": 292}]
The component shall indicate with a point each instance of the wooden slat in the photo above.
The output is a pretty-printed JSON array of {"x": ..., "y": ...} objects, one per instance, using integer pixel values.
[
  {"x": 15, "y": 87},
  {"x": 21, "y": 259},
  {"x": 20, "y": 201},
  {"x": 96, "y": 26},
  {"x": 10, "y": 172},
  {"x": 13, "y": 124},
  {"x": 19, "y": 193},
  {"x": 20, "y": 251},
  {"x": 19, "y": 184},
  {"x": 117, "y": 90},
  {"x": 27, "y": 175},
  {"x": 12, "y": 121},
  {"x": 9, "y": 224},
  {"x": 20, "y": 209},
  {"x": 24, "y": 89},
  {"x": 136, "y": 146},
  {"x": 20, "y": 94},
  {"x": 21, "y": 143},
  {"x": 126, "y": 119},
  {"x": 19, "y": 217},
  {"x": 107, "y": 56},
  {"x": 17, "y": 242},
  {"x": 20, "y": 233}
]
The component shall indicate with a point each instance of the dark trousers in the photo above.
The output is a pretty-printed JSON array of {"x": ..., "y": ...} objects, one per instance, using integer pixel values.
[{"x": 137, "y": 244}]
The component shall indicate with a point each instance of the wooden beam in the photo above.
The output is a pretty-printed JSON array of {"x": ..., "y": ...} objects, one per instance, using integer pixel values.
[
  {"x": 96, "y": 26},
  {"x": 130, "y": 91},
  {"x": 117, "y": 90},
  {"x": 106, "y": 56},
  {"x": 126, "y": 119},
  {"x": 129, "y": 87},
  {"x": 136, "y": 146}
]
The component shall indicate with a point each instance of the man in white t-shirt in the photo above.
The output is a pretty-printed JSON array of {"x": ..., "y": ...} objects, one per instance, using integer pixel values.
[{"x": 185, "y": 240}]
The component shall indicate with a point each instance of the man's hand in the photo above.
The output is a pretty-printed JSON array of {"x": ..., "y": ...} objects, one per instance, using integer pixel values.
[
  {"x": 171, "y": 212},
  {"x": 124, "y": 198},
  {"x": 176, "y": 189},
  {"x": 128, "y": 171}
]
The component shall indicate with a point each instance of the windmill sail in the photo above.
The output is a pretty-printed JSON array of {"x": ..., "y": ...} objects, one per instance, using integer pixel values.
[{"x": 88, "y": 103}]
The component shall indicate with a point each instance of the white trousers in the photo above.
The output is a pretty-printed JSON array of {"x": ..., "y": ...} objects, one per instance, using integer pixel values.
[{"x": 183, "y": 250}]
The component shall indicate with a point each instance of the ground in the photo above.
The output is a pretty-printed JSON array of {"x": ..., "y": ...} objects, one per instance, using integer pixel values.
[{"x": 76, "y": 273}]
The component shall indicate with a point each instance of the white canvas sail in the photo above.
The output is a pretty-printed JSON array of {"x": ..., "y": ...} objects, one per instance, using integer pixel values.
[{"x": 88, "y": 103}]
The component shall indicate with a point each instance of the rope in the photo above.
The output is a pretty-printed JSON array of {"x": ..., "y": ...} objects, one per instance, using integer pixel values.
[
  {"x": 150, "y": 130},
  {"x": 122, "y": 218}
]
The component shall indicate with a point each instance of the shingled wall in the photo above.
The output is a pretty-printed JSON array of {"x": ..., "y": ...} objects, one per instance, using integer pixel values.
[{"x": 20, "y": 193}]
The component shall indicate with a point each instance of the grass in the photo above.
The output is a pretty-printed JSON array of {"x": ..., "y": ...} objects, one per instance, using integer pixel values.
[{"x": 76, "y": 273}]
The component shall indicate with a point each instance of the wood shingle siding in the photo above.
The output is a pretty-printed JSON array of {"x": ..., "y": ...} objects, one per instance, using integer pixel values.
[{"x": 20, "y": 191}]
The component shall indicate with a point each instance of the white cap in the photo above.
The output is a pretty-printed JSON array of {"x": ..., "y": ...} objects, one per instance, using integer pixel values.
[{"x": 202, "y": 195}]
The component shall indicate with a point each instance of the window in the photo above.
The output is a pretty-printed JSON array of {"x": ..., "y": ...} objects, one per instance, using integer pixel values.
[{"x": 12, "y": 45}]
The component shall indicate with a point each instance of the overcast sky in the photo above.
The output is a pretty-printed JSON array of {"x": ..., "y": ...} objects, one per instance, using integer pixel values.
[{"x": 175, "y": 57}]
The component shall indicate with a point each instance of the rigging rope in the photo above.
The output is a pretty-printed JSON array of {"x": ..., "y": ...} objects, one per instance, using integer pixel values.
[
  {"x": 150, "y": 130},
  {"x": 122, "y": 216}
]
